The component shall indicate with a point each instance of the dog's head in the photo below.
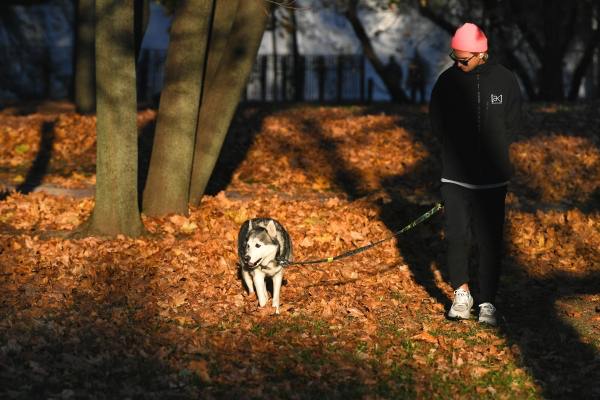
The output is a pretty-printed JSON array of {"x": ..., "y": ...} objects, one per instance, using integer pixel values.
[{"x": 262, "y": 245}]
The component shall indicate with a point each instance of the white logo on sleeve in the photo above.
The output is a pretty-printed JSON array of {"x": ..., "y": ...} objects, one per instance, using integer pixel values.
[{"x": 496, "y": 99}]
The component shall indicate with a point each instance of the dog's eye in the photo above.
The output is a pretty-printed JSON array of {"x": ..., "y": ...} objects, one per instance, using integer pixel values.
[{"x": 257, "y": 245}]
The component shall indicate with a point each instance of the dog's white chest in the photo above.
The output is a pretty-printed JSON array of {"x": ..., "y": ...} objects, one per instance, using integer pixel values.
[{"x": 270, "y": 269}]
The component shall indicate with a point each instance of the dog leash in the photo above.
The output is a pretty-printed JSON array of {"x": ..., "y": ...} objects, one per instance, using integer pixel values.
[{"x": 353, "y": 252}]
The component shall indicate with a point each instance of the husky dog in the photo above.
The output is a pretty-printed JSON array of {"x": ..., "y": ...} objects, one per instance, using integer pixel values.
[{"x": 262, "y": 244}]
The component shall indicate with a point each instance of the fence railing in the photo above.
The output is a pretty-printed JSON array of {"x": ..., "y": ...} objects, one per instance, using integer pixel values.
[
  {"x": 47, "y": 73},
  {"x": 35, "y": 72},
  {"x": 320, "y": 78}
]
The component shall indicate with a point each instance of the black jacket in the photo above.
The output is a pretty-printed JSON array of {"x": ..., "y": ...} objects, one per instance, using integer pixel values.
[{"x": 474, "y": 113}]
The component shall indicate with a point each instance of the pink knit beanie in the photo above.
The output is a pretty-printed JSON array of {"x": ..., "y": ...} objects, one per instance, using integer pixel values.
[{"x": 469, "y": 38}]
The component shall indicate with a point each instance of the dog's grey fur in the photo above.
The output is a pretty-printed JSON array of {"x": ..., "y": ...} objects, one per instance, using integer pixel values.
[{"x": 262, "y": 243}]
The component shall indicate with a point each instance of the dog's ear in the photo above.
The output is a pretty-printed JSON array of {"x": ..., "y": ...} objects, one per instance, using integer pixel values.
[
  {"x": 249, "y": 225},
  {"x": 271, "y": 229}
]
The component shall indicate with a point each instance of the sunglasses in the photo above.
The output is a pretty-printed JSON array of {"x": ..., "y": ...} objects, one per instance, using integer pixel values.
[{"x": 463, "y": 61}]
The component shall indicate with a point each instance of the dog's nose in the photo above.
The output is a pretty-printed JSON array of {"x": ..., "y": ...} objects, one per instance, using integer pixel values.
[{"x": 247, "y": 258}]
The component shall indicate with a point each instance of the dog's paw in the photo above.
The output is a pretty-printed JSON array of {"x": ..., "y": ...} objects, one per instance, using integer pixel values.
[{"x": 276, "y": 310}]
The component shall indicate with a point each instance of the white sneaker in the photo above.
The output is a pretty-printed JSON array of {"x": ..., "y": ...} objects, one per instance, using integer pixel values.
[
  {"x": 487, "y": 314},
  {"x": 461, "y": 306}
]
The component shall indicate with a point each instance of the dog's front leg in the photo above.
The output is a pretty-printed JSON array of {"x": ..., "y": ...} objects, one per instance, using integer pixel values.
[
  {"x": 248, "y": 280},
  {"x": 277, "y": 279},
  {"x": 259, "y": 284}
]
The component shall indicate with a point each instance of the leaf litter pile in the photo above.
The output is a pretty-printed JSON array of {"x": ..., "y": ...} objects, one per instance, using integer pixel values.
[{"x": 166, "y": 315}]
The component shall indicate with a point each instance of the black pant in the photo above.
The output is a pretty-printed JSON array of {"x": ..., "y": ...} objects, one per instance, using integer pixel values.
[{"x": 478, "y": 213}]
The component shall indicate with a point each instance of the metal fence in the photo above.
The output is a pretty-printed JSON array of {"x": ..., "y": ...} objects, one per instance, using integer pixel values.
[
  {"x": 35, "y": 73},
  {"x": 318, "y": 78}
]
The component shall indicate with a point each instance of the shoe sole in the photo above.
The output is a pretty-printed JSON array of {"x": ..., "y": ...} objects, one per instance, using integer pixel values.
[
  {"x": 488, "y": 322},
  {"x": 457, "y": 316}
]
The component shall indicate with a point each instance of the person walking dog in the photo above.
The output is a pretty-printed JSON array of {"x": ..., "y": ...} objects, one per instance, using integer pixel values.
[{"x": 475, "y": 105}]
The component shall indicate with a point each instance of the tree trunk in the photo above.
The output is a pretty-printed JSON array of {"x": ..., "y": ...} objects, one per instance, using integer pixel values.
[
  {"x": 274, "y": 88},
  {"x": 298, "y": 62},
  {"x": 224, "y": 91},
  {"x": 551, "y": 74},
  {"x": 584, "y": 64},
  {"x": 116, "y": 210},
  {"x": 85, "y": 74},
  {"x": 390, "y": 81},
  {"x": 513, "y": 62},
  {"x": 559, "y": 29},
  {"x": 167, "y": 187},
  {"x": 225, "y": 11}
]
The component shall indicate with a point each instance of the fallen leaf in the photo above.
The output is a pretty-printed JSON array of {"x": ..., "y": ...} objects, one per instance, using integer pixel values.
[
  {"x": 478, "y": 371},
  {"x": 426, "y": 337}
]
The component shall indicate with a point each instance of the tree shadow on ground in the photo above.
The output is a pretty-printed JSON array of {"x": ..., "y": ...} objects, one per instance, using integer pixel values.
[
  {"x": 421, "y": 247},
  {"x": 40, "y": 165},
  {"x": 348, "y": 180},
  {"x": 409, "y": 195},
  {"x": 245, "y": 125},
  {"x": 83, "y": 344},
  {"x": 551, "y": 349}
]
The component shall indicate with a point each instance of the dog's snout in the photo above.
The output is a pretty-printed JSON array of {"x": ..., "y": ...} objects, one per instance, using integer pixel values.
[{"x": 247, "y": 258}]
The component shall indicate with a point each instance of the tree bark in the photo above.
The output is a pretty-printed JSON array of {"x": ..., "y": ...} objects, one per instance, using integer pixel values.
[
  {"x": 225, "y": 11},
  {"x": 116, "y": 210},
  {"x": 224, "y": 91},
  {"x": 85, "y": 74},
  {"x": 167, "y": 187},
  {"x": 389, "y": 80},
  {"x": 298, "y": 62},
  {"x": 275, "y": 86}
]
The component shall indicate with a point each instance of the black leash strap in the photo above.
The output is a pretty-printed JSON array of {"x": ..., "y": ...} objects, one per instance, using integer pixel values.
[{"x": 350, "y": 253}]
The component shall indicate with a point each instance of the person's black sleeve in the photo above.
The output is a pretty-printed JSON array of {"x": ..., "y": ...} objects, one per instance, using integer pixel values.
[{"x": 513, "y": 113}]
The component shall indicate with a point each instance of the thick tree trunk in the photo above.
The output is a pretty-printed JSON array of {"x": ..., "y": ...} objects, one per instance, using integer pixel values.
[
  {"x": 517, "y": 66},
  {"x": 116, "y": 209},
  {"x": 85, "y": 74},
  {"x": 225, "y": 11},
  {"x": 167, "y": 187},
  {"x": 551, "y": 74},
  {"x": 224, "y": 92},
  {"x": 390, "y": 81}
]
